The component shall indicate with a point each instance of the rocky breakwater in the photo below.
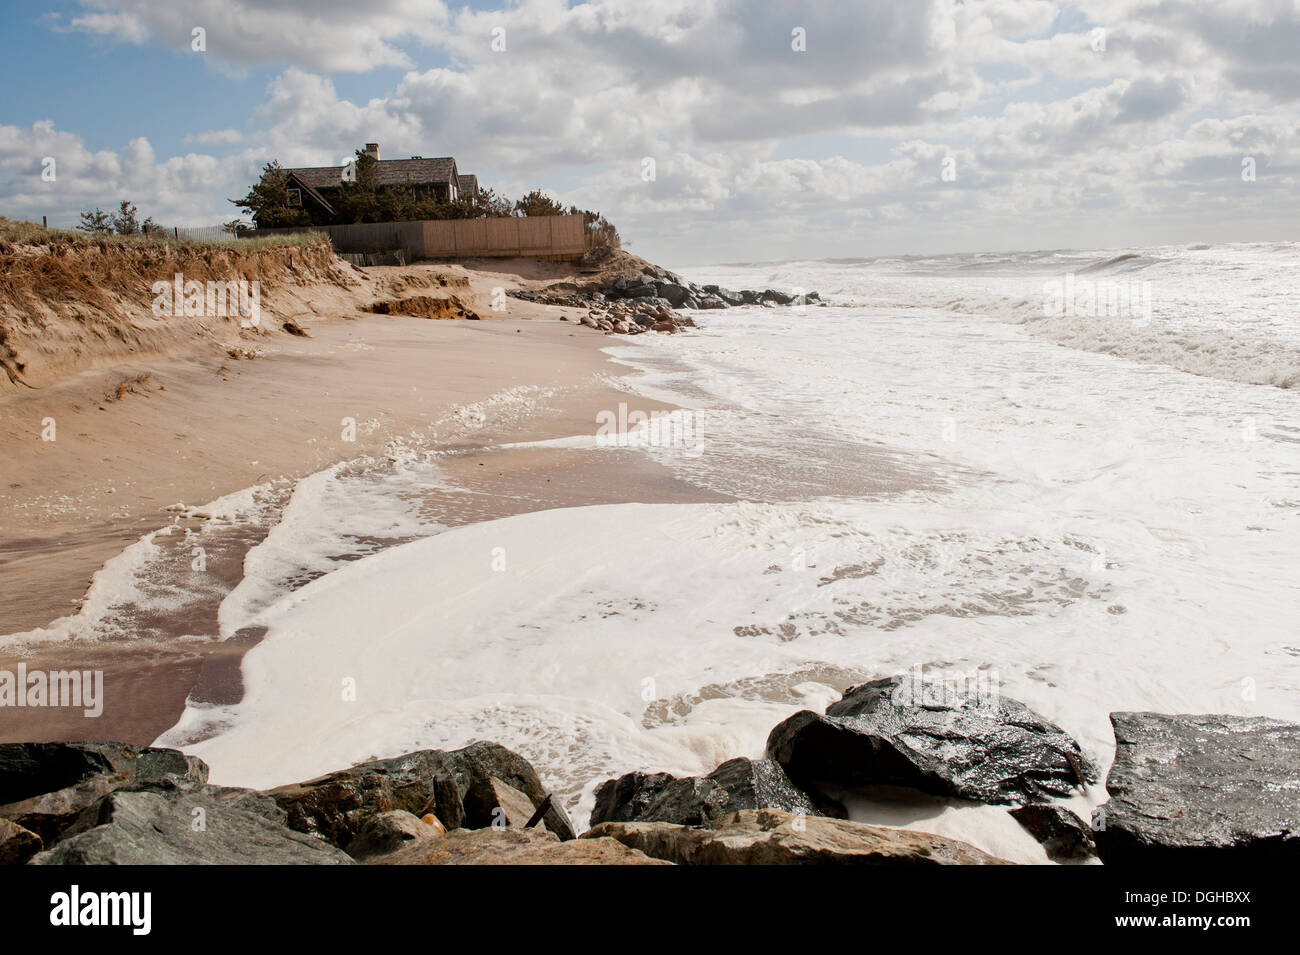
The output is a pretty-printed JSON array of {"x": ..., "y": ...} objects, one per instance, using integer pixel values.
[
  {"x": 1206, "y": 788},
  {"x": 115, "y": 804},
  {"x": 647, "y": 300}
]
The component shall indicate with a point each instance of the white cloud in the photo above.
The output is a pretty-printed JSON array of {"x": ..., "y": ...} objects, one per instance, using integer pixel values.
[{"x": 1045, "y": 127}]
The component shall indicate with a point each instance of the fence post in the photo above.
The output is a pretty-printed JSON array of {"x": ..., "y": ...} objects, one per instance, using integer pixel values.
[
  {"x": 45, "y": 223},
  {"x": 177, "y": 230}
]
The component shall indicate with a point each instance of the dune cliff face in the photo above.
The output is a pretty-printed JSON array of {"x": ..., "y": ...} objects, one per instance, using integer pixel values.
[{"x": 70, "y": 305}]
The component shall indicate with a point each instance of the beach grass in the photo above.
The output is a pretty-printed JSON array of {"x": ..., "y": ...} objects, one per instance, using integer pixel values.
[{"x": 33, "y": 233}]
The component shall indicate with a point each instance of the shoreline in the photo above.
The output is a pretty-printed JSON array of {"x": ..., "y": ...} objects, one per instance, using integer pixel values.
[{"x": 196, "y": 429}]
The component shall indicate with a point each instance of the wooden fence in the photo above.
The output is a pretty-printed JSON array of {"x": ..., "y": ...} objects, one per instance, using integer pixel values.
[{"x": 546, "y": 236}]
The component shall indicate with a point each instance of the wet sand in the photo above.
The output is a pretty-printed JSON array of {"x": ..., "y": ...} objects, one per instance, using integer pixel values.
[{"x": 193, "y": 429}]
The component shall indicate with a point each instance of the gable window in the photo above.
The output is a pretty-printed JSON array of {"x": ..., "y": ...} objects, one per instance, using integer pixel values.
[{"x": 295, "y": 197}]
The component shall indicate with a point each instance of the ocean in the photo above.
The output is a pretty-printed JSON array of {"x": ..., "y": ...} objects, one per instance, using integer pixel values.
[{"x": 1072, "y": 475}]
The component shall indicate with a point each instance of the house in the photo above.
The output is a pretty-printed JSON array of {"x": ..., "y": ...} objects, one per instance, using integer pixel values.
[{"x": 313, "y": 187}]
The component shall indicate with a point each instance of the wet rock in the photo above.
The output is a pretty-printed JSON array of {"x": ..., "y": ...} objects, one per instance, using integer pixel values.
[
  {"x": 389, "y": 831},
  {"x": 53, "y": 789},
  {"x": 514, "y": 847},
  {"x": 30, "y": 769},
  {"x": 772, "y": 837},
  {"x": 1061, "y": 833},
  {"x": 455, "y": 786},
  {"x": 674, "y": 294},
  {"x": 17, "y": 844},
  {"x": 896, "y": 732},
  {"x": 1201, "y": 788},
  {"x": 699, "y": 800},
  {"x": 502, "y": 804},
  {"x": 202, "y": 825},
  {"x": 710, "y": 302}
]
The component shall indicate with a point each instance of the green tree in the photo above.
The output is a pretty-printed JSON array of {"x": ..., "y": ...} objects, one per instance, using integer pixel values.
[
  {"x": 538, "y": 203},
  {"x": 96, "y": 223},
  {"x": 359, "y": 200},
  {"x": 124, "y": 220},
  {"x": 267, "y": 203}
]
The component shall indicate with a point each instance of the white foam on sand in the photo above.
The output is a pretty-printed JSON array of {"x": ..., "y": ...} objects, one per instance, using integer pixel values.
[
  {"x": 600, "y": 611},
  {"x": 1103, "y": 534}
]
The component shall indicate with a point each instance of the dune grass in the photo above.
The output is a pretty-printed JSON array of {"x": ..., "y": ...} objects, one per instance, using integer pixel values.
[{"x": 32, "y": 233}]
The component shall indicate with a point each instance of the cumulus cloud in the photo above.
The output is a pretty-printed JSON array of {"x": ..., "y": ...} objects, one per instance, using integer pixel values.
[{"x": 819, "y": 116}]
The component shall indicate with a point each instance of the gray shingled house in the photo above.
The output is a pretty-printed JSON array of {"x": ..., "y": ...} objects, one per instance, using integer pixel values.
[{"x": 312, "y": 187}]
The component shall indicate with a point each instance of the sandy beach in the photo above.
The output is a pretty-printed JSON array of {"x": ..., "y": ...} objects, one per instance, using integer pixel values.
[{"x": 137, "y": 440}]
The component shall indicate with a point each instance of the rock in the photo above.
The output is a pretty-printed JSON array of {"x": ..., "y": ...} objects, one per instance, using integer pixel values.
[
  {"x": 1063, "y": 834},
  {"x": 480, "y": 762},
  {"x": 727, "y": 295},
  {"x": 31, "y": 769},
  {"x": 641, "y": 291},
  {"x": 710, "y": 302},
  {"x": 503, "y": 805},
  {"x": 235, "y": 827},
  {"x": 896, "y": 732},
  {"x": 1201, "y": 788},
  {"x": 53, "y": 789},
  {"x": 17, "y": 844},
  {"x": 621, "y": 327},
  {"x": 674, "y": 294},
  {"x": 699, "y": 800},
  {"x": 772, "y": 296},
  {"x": 64, "y": 811},
  {"x": 514, "y": 847},
  {"x": 772, "y": 837},
  {"x": 336, "y": 806},
  {"x": 455, "y": 786},
  {"x": 429, "y": 819},
  {"x": 389, "y": 831}
]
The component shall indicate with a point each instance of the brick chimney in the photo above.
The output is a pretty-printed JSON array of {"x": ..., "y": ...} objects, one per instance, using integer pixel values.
[{"x": 372, "y": 150}]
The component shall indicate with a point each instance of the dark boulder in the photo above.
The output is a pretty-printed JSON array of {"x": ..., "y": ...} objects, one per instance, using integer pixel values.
[
  {"x": 1201, "y": 788},
  {"x": 54, "y": 789},
  {"x": 30, "y": 769},
  {"x": 710, "y": 301},
  {"x": 641, "y": 291},
  {"x": 895, "y": 732},
  {"x": 773, "y": 297},
  {"x": 674, "y": 294},
  {"x": 196, "y": 825},
  {"x": 454, "y": 786},
  {"x": 699, "y": 800},
  {"x": 1061, "y": 833}
]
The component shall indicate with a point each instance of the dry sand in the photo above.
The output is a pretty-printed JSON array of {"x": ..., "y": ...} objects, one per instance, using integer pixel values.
[{"x": 133, "y": 438}]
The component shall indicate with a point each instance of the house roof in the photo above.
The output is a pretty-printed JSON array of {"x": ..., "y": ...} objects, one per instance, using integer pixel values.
[
  {"x": 311, "y": 190},
  {"x": 467, "y": 185},
  {"x": 388, "y": 172}
]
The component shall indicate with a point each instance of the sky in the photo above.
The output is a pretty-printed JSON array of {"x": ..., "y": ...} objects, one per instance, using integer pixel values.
[{"x": 707, "y": 130}]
